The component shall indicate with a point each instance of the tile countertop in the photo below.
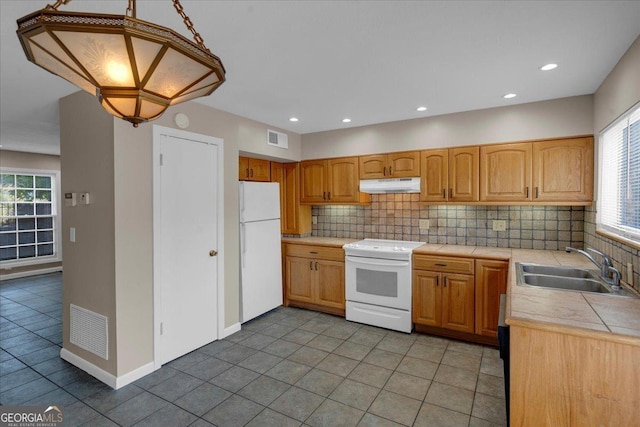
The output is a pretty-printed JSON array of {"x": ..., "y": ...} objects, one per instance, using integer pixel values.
[{"x": 585, "y": 314}]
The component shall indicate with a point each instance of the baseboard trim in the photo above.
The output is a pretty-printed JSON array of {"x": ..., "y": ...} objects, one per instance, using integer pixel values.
[
  {"x": 104, "y": 376},
  {"x": 231, "y": 330},
  {"x": 29, "y": 273}
]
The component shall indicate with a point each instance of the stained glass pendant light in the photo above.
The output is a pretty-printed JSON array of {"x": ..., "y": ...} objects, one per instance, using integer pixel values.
[{"x": 136, "y": 69}]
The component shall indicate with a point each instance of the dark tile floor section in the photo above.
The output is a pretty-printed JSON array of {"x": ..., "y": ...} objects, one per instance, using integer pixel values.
[{"x": 289, "y": 367}]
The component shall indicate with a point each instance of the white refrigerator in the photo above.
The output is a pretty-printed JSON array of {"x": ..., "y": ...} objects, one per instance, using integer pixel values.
[{"x": 260, "y": 250}]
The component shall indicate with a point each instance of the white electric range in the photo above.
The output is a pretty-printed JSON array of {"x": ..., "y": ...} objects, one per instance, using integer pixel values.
[{"x": 378, "y": 282}]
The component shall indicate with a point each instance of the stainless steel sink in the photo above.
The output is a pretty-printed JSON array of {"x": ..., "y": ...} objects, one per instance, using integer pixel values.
[
  {"x": 553, "y": 270},
  {"x": 566, "y": 279},
  {"x": 566, "y": 283}
]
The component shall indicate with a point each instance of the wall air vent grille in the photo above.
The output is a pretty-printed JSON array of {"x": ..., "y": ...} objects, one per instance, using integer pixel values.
[
  {"x": 277, "y": 139},
  {"x": 89, "y": 331}
]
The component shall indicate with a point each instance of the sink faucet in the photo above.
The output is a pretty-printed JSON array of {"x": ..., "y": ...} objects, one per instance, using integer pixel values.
[{"x": 608, "y": 272}]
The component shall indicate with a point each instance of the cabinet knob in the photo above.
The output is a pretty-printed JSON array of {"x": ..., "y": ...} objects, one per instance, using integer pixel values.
[{"x": 213, "y": 252}]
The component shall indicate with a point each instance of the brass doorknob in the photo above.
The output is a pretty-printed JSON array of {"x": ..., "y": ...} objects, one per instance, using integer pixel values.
[{"x": 213, "y": 252}]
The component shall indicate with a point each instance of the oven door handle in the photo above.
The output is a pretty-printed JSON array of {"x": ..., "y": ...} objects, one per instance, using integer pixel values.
[{"x": 376, "y": 261}]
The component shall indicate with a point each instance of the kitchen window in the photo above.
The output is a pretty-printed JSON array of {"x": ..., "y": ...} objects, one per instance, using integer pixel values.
[
  {"x": 29, "y": 222},
  {"x": 619, "y": 195}
]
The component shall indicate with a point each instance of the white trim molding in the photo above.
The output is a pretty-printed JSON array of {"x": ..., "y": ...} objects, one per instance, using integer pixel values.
[
  {"x": 29, "y": 273},
  {"x": 111, "y": 380},
  {"x": 231, "y": 330}
]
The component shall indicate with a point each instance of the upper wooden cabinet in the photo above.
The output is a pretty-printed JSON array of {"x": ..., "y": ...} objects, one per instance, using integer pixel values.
[
  {"x": 250, "y": 169},
  {"x": 563, "y": 170},
  {"x": 294, "y": 217},
  {"x": 391, "y": 165},
  {"x": 330, "y": 181},
  {"x": 557, "y": 171},
  {"x": 505, "y": 172},
  {"x": 449, "y": 175}
]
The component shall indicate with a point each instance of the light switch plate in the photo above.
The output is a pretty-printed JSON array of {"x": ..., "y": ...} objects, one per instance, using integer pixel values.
[
  {"x": 424, "y": 224},
  {"x": 499, "y": 225}
]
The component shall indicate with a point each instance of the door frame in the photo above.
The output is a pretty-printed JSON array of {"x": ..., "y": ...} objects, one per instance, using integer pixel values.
[{"x": 158, "y": 133}]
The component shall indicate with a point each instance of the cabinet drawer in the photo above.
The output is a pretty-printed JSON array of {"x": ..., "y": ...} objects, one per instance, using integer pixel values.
[
  {"x": 319, "y": 252},
  {"x": 443, "y": 264}
]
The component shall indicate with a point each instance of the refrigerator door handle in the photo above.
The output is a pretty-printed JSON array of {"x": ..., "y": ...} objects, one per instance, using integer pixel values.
[
  {"x": 242, "y": 201},
  {"x": 243, "y": 243}
]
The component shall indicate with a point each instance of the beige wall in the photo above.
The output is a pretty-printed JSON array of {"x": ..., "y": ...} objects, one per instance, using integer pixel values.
[
  {"x": 547, "y": 119},
  {"x": 619, "y": 91},
  {"x": 20, "y": 160},
  {"x": 126, "y": 181},
  {"x": 87, "y": 163}
]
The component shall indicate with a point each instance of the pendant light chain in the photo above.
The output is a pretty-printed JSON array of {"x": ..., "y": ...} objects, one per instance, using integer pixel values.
[
  {"x": 196, "y": 36},
  {"x": 131, "y": 9},
  {"x": 57, "y": 4}
]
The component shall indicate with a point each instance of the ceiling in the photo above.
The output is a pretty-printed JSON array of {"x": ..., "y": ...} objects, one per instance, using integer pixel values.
[{"x": 371, "y": 61}]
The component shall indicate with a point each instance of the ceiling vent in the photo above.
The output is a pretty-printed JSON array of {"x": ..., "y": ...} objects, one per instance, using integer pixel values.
[{"x": 277, "y": 139}]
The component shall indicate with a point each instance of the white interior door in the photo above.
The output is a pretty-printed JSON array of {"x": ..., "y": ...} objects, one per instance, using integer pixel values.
[{"x": 187, "y": 239}]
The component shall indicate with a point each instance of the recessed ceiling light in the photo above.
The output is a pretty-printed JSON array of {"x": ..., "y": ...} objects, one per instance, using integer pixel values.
[
  {"x": 549, "y": 67},
  {"x": 421, "y": 109},
  {"x": 346, "y": 120},
  {"x": 293, "y": 119},
  {"x": 509, "y": 96}
]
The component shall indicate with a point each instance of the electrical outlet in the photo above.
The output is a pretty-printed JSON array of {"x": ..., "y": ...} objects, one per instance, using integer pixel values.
[
  {"x": 314, "y": 220},
  {"x": 499, "y": 225},
  {"x": 424, "y": 224}
]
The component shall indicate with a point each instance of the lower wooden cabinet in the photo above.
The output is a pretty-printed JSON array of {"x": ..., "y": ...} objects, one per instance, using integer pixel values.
[
  {"x": 491, "y": 281},
  {"x": 444, "y": 300},
  {"x": 458, "y": 297},
  {"x": 314, "y": 277}
]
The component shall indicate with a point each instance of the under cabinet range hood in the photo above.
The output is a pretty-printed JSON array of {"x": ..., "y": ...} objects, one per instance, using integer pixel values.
[{"x": 390, "y": 185}]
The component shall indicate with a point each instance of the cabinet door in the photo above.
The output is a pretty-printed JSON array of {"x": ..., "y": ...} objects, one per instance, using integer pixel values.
[
  {"x": 259, "y": 170},
  {"x": 277, "y": 175},
  {"x": 458, "y": 302},
  {"x": 243, "y": 168},
  {"x": 435, "y": 173},
  {"x": 491, "y": 281},
  {"x": 330, "y": 283},
  {"x": 343, "y": 183},
  {"x": 373, "y": 167},
  {"x": 563, "y": 170},
  {"x": 505, "y": 172},
  {"x": 406, "y": 164},
  {"x": 463, "y": 174},
  {"x": 312, "y": 181},
  {"x": 296, "y": 219},
  {"x": 299, "y": 277},
  {"x": 427, "y": 296}
]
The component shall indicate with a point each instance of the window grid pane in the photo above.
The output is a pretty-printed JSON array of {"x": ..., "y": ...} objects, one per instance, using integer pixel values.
[{"x": 27, "y": 212}]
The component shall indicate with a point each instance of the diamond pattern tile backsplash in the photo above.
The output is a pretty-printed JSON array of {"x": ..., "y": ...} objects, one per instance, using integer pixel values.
[{"x": 398, "y": 216}]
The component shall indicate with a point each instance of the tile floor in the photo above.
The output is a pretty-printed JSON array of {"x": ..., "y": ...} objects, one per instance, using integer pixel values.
[{"x": 288, "y": 367}]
